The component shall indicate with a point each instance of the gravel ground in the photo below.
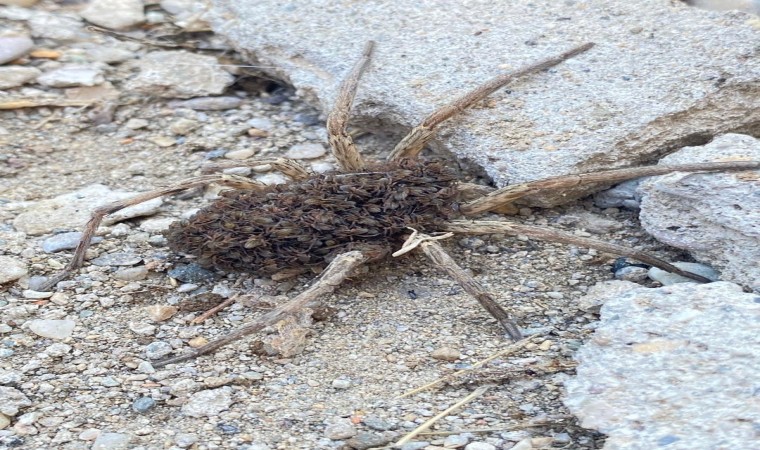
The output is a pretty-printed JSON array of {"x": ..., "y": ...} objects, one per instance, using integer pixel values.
[{"x": 394, "y": 327}]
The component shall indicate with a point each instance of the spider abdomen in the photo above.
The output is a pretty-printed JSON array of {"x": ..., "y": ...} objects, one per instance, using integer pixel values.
[{"x": 303, "y": 223}]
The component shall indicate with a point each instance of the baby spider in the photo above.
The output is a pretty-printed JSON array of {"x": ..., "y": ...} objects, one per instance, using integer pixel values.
[{"x": 361, "y": 212}]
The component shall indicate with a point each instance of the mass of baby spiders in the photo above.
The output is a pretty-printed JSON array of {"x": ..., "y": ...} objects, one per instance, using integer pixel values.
[{"x": 364, "y": 211}]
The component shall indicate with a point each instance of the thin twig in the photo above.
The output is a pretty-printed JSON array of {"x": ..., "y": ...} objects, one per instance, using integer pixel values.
[
  {"x": 202, "y": 318},
  {"x": 475, "y": 394},
  {"x": 515, "y": 346}
]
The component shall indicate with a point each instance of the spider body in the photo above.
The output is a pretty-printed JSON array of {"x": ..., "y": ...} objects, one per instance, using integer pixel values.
[{"x": 307, "y": 223}]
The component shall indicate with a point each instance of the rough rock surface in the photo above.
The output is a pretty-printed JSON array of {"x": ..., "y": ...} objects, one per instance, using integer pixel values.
[
  {"x": 716, "y": 217},
  {"x": 179, "y": 74},
  {"x": 71, "y": 211},
  {"x": 663, "y": 75},
  {"x": 675, "y": 365}
]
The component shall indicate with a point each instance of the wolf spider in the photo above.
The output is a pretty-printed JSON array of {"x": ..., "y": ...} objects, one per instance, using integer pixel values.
[{"x": 355, "y": 215}]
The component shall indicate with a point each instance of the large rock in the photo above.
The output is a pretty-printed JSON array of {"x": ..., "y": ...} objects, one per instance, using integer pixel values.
[
  {"x": 663, "y": 75},
  {"x": 716, "y": 217},
  {"x": 673, "y": 367}
]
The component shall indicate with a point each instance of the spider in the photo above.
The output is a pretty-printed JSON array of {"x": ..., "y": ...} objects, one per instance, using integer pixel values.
[{"x": 357, "y": 214}]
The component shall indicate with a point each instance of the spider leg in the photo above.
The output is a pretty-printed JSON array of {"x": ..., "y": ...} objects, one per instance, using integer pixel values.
[
  {"x": 100, "y": 212},
  {"x": 342, "y": 144},
  {"x": 413, "y": 143},
  {"x": 550, "y": 235},
  {"x": 334, "y": 274},
  {"x": 510, "y": 194},
  {"x": 445, "y": 262},
  {"x": 289, "y": 167}
]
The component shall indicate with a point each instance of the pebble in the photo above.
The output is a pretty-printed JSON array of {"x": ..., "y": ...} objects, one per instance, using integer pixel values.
[
  {"x": 255, "y": 132},
  {"x": 111, "y": 441},
  {"x": 109, "y": 54},
  {"x": 624, "y": 195},
  {"x": 446, "y": 354},
  {"x": 208, "y": 403},
  {"x": 136, "y": 124},
  {"x": 110, "y": 382},
  {"x": 341, "y": 383},
  {"x": 307, "y": 119},
  {"x": 227, "y": 428},
  {"x": 131, "y": 273},
  {"x": 208, "y": 103},
  {"x": 157, "y": 224},
  {"x": 191, "y": 273},
  {"x": 117, "y": 259},
  {"x": 184, "y": 440},
  {"x": 12, "y": 400},
  {"x": 524, "y": 444},
  {"x": 376, "y": 423},
  {"x": 471, "y": 242},
  {"x": 9, "y": 377},
  {"x": 143, "y": 405},
  {"x": 157, "y": 350},
  {"x": 415, "y": 445},
  {"x": 322, "y": 167},
  {"x": 197, "y": 342},
  {"x": 15, "y": 76},
  {"x": 142, "y": 328},
  {"x": 634, "y": 274},
  {"x": 89, "y": 434},
  {"x": 65, "y": 241},
  {"x": 56, "y": 26},
  {"x": 340, "y": 429},
  {"x": 14, "y": 47},
  {"x": 187, "y": 287},
  {"x": 28, "y": 293},
  {"x": 261, "y": 123},
  {"x": 58, "y": 350},
  {"x": 162, "y": 141},
  {"x": 482, "y": 446},
  {"x": 114, "y": 14},
  {"x": 4, "y": 421},
  {"x": 243, "y": 153},
  {"x": 199, "y": 75},
  {"x": 159, "y": 313},
  {"x": 183, "y": 126},
  {"x": 51, "y": 328},
  {"x": 306, "y": 151},
  {"x": 365, "y": 440},
  {"x": 667, "y": 278},
  {"x": 11, "y": 269},
  {"x": 272, "y": 178},
  {"x": 72, "y": 75},
  {"x": 456, "y": 441}
]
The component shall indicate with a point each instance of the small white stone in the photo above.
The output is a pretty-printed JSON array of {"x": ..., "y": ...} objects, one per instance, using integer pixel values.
[
  {"x": 89, "y": 434},
  {"x": 30, "y": 294},
  {"x": 306, "y": 151},
  {"x": 240, "y": 154},
  {"x": 136, "y": 124},
  {"x": 53, "y": 329},
  {"x": 208, "y": 403},
  {"x": 11, "y": 269},
  {"x": 72, "y": 75},
  {"x": 114, "y": 14}
]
